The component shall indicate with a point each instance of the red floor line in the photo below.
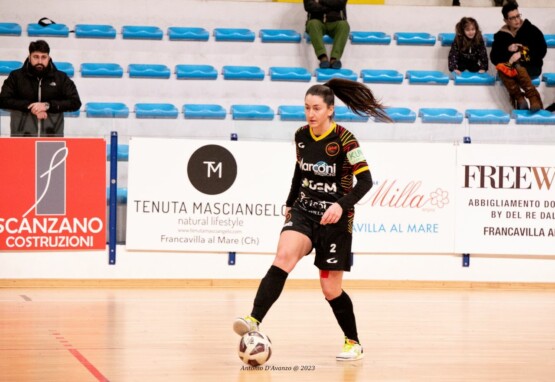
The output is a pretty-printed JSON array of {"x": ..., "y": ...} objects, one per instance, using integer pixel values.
[{"x": 90, "y": 367}]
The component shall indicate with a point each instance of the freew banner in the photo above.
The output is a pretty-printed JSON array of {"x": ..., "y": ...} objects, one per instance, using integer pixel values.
[{"x": 53, "y": 194}]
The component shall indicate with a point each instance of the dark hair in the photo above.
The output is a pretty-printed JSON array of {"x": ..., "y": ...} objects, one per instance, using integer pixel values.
[
  {"x": 509, "y": 7},
  {"x": 39, "y": 46},
  {"x": 464, "y": 43},
  {"x": 354, "y": 95}
]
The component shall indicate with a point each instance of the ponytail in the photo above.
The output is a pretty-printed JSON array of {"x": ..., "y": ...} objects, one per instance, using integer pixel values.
[{"x": 356, "y": 96}]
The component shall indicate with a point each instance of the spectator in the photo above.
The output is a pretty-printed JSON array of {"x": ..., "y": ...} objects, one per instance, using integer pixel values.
[
  {"x": 327, "y": 17},
  {"x": 517, "y": 52},
  {"x": 38, "y": 94},
  {"x": 468, "y": 51}
]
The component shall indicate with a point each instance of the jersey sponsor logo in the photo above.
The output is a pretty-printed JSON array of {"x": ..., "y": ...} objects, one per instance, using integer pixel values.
[
  {"x": 332, "y": 149},
  {"x": 332, "y": 260},
  {"x": 319, "y": 186},
  {"x": 321, "y": 168},
  {"x": 355, "y": 156}
]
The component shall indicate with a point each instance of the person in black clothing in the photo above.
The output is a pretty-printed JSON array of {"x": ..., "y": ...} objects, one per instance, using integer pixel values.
[
  {"x": 517, "y": 52},
  {"x": 38, "y": 94},
  {"x": 327, "y": 17},
  {"x": 468, "y": 51},
  {"x": 320, "y": 206}
]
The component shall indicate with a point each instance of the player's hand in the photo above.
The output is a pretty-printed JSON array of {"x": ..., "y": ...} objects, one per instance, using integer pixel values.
[
  {"x": 514, "y": 58},
  {"x": 332, "y": 214}
]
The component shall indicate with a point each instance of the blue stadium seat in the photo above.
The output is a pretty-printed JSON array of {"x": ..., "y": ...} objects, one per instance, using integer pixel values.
[
  {"x": 52, "y": 30},
  {"x": 95, "y": 31},
  {"x": 279, "y": 35},
  {"x": 327, "y": 39},
  {"x": 66, "y": 67},
  {"x": 121, "y": 195},
  {"x": 344, "y": 114},
  {"x": 488, "y": 39},
  {"x": 470, "y": 78},
  {"x": 98, "y": 69},
  {"x": 549, "y": 79},
  {"x": 375, "y": 38},
  {"x": 446, "y": 39},
  {"x": 72, "y": 114},
  {"x": 106, "y": 110},
  {"x": 203, "y": 111},
  {"x": 10, "y": 29},
  {"x": 233, "y": 34},
  {"x": 400, "y": 114},
  {"x": 142, "y": 32},
  {"x": 291, "y": 113},
  {"x": 487, "y": 116},
  {"x": 527, "y": 117},
  {"x": 414, "y": 38},
  {"x": 252, "y": 112},
  {"x": 148, "y": 71},
  {"x": 196, "y": 72},
  {"x": 440, "y": 115},
  {"x": 6, "y": 67},
  {"x": 155, "y": 110},
  {"x": 427, "y": 77},
  {"x": 122, "y": 152},
  {"x": 323, "y": 75},
  {"x": 377, "y": 76},
  {"x": 550, "y": 40},
  {"x": 289, "y": 74},
  {"x": 188, "y": 34},
  {"x": 232, "y": 72}
]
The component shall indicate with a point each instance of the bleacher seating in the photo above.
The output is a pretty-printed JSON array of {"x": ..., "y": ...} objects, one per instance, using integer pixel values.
[{"x": 272, "y": 67}]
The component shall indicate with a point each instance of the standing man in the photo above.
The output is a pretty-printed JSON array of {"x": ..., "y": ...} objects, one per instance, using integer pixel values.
[
  {"x": 517, "y": 52},
  {"x": 327, "y": 17},
  {"x": 38, "y": 94}
]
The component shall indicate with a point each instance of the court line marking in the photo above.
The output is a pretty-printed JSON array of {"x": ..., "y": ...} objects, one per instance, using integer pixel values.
[{"x": 80, "y": 357}]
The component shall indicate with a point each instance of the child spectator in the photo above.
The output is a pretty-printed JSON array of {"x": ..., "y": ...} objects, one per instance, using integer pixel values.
[{"x": 468, "y": 51}]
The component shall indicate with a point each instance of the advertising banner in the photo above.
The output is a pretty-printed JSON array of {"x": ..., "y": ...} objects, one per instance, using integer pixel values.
[
  {"x": 53, "y": 194},
  {"x": 218, "y": 196},
  {"x": 506, "y": 199},
  {"x": 187, "y": 195},
  {"x": 412, "y": 204}
]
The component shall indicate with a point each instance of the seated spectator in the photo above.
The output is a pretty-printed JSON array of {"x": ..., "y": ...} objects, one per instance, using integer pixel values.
[
  {"x": 517, "y": 52},
  {"x": 327, "y": 17},
  {"x": 468, "y": 51}
]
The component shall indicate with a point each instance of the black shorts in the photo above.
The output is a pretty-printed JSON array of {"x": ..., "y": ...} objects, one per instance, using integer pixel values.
[{"x": 332, "y": 242}]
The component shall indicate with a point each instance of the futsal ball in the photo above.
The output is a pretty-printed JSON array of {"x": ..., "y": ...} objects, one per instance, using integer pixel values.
[{"x": 255, "y": 348}]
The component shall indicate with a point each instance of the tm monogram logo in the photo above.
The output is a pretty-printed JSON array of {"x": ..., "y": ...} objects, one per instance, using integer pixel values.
[{"x": 212, "y": 169}]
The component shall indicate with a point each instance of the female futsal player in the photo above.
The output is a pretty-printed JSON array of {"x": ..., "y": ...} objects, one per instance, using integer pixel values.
[{"x": 320, "y": 206}]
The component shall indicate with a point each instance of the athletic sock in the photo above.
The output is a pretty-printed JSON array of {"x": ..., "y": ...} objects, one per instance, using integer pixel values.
[
  {"x": 342, "y": 307},
  {"x": 268, "y": 292}
]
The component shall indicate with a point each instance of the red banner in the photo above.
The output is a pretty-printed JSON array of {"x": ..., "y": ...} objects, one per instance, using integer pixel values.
[{"x": 52, "y": 194}]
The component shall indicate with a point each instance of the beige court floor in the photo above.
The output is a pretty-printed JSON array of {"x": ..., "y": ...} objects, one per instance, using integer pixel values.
[{"x": 185, "y": 334}]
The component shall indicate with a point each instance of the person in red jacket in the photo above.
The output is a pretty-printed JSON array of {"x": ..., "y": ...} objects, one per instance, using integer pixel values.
[{"x": 38, "y": 94}]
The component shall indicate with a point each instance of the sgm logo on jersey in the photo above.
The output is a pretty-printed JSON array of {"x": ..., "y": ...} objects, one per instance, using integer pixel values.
[
  {"x": 332, "y": 149},
  {"x": 212, "y": 169},
  {"x": 321, "y": 168},
  {"x": 319, "y": 186},
  {"x": 355, "y": 156}
]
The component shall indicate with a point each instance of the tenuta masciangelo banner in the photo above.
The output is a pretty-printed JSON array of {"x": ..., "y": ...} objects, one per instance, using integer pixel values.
[
  {"x": 53, "y": 194},
  {"x": 190, "y": 195}
]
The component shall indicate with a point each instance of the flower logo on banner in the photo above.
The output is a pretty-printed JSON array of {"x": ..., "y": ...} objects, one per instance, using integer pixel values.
[{"x": 439, "y": 198}]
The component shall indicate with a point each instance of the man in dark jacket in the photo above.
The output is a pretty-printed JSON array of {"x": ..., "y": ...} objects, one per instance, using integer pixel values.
[
  {"x": 327, "y": 17},
  {"x": 37, "y": 95},
  {"x": 517, "y": 52}
]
